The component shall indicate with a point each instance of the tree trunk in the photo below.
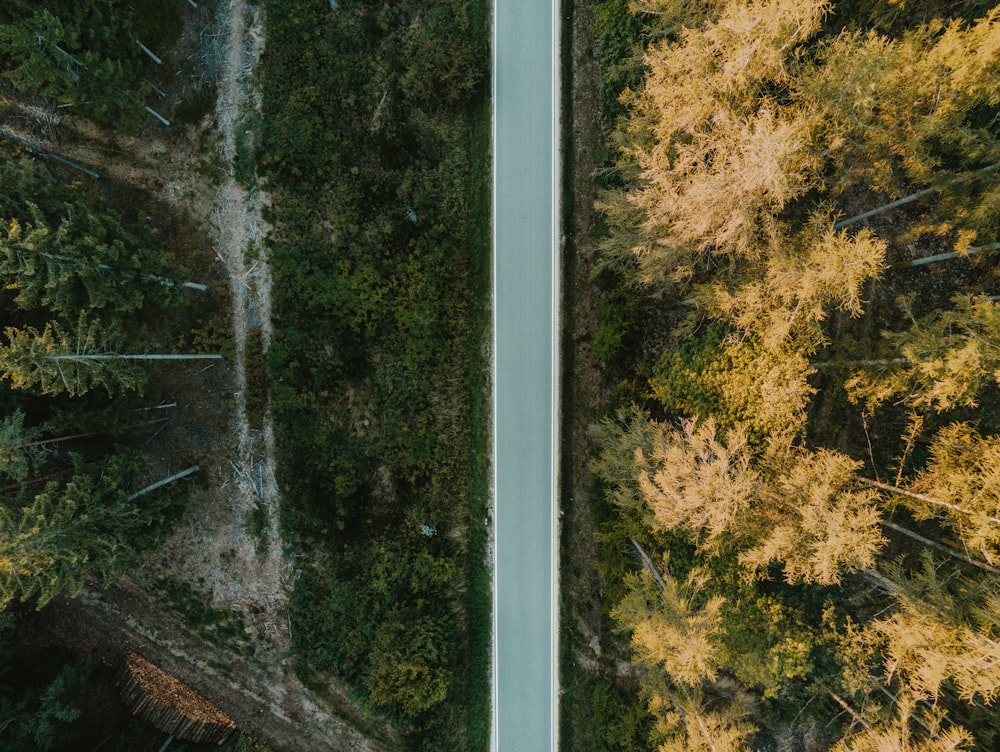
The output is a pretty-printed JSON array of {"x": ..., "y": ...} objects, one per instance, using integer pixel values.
[
  {"x": 947, "y": 256},
  {"x": 166, "y": 481},
  {"x": 146, "y": 356},
  {"x": 152, "y": 56},
  {"x": 911, "y": 198},
  {"x": 844, "y": 704},
  {"x": 45, "y": 153},
  {"x": 917, "y": 496},
  {"x": 648, "y": 563},
  {"x": 57, "y": 438},
  {"x": 37, "y": 479},
  {"x": 955, "y": 553}
]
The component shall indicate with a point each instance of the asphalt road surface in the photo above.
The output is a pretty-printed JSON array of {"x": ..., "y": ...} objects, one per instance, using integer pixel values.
[{"x": 525, "y": 373}]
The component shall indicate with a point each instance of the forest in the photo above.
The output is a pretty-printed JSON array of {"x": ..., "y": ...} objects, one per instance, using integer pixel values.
[{"x": 799, "y": 209}]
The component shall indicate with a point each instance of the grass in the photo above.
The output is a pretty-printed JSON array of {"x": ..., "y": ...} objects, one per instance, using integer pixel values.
[
  {"x": 479, "y": 598},
  {"x": 224, "y": 628}
]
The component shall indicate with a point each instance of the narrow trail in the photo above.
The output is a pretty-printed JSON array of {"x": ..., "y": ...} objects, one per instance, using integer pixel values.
[{"x": 240, "y": 228}]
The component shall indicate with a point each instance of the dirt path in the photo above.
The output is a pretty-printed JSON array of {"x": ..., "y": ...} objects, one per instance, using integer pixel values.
[{"x": 256, "y": 576}]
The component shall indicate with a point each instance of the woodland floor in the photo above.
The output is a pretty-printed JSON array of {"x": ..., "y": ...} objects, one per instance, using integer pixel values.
[
  {"x": 589, "y": 651},
  {"x": 225, "y": 565}
]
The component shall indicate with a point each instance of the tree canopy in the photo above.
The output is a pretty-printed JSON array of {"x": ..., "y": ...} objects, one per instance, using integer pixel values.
[{"x": 815, "y": 424}]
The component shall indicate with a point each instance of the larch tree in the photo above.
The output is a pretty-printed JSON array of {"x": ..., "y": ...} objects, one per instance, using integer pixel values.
[
  {"x": 799, "y": 282},
  {"x": 715, "y": 160},
  {"x": 791, "y": 506},
  {"x": 941, "y": 362},
  {"x": 733, "y": 379},
  {"x": 963, "y": 477},
  {"x": 890, "y": 103},
  {"x": 945, "y": 633},
  {"x": 677, "y": 633},
  {"x": 691, "y": 722},
  {"x": 910, "y": 729},
  {"x": 824, "y": 526},
  {"x": 902, "y": 111},
  {"x": 701, "y": 483},
  {"x": 673, "y": 627}
]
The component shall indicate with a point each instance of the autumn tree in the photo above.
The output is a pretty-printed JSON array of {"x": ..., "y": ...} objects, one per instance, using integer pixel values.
[
  {"x": 805, "y": 277},
  {"x": 945, "y": 633},
  {"x": 676, "y": 632},
  {"x": 673, "y": 626},
  {"x": 738, "y": 213},
  {"x": 715, "y": 162},
  {"x": 961, "y": 484},
  {"x": 792, "y": 506},
  {"x": 892, "y": 107},
  {"x": 911, "y": 728},
  {"x": 691, "y": 722},
  {"x": 941, "y": 362}
]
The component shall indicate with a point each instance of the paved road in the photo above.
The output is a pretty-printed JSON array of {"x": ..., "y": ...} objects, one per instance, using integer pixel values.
[{"x": 525, "y": 301}]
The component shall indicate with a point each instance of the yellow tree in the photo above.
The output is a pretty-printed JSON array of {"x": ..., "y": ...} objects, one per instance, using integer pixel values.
[
  {"x": 943, "y": 359},
  {"x": 962, "y": 482},
  {"x": 943, "y": 633},
  {"x": 677, "y": 635},
  {"x": 799, "y": 281},
  {"x": 700, "y": 483},
  {"x": 900, "y": 111},
  {"x": 672, "y": 627},
  {"x": 823, "y": 525},
  {"x": 791, "y": 506},
  {"x": 715, "y": 160},
  {"x": 909, "y": 730},
  {"x": 690, "y": 723}
]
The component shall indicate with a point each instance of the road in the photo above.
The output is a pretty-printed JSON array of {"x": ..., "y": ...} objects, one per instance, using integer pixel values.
[{"x": 525, "y": 374}]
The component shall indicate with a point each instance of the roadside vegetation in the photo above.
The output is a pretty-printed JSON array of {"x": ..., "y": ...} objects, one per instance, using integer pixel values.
[
  {"x": 375, "y": 151},
  {"x": 796, "y": 468}
]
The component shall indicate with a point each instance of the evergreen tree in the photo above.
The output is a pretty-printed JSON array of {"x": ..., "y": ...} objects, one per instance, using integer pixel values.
[
  {"x": 56, "y": 361},
  {"x": 78, "y": 53},
  {"x": 19, "y": 450}
]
